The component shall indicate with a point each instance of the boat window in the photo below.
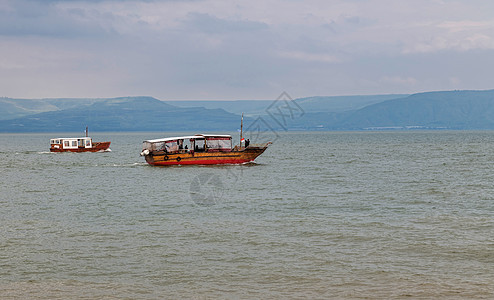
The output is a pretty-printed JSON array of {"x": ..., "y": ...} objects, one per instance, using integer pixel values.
[
  {"x": 219, "y": 143},
  {"x": 159, "y": 146},
  {"x": 52, "y": 141},
  {"x": 74, "y": 143},
  {"x": 171, "y": 146},
  {"x": 187, "y": 145},
  {"x": 66, "y": 143},
  {"x": 199, "y": 145},
  {"x": 88, "y": 143},
  {"x": 57, "y": 141},
  {"x": 147, "y": 146}
]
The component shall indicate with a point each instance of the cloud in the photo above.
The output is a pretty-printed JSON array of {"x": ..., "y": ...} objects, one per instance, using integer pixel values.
[
  {"x": 466, "y": 25},
  {"x": 405, "y": 81},
  {"x": 229, "y": 49},
  {"x": 32, "y": 18},
  {"x": 214, "y": 25},
  {"x": 464, "y": 42},
  {"x": 311, "y": 57}
]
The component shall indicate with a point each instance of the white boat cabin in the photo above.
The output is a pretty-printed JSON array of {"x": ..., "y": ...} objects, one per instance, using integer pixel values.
[
  {"x": 190, "y": 144},
  {"x": 71, "y": 143}
]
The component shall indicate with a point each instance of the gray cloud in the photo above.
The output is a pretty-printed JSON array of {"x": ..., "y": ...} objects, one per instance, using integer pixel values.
[
  {"x": 209, "y": 49},
  {"x": 33, "y": 18},
  {"x": 214, "y": 25}
]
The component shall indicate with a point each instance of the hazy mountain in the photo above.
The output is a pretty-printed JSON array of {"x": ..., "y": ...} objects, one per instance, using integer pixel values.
[
  {"x": 248, "y": 107},
  {"x": 453, "y": 110},
  {"x": 15, "y": 108},
  {"x": 125, "y": 114},
  {"x": 343, "y": 103},
  {"x": 432, "y": 110},
  {"x": 309, "y": 104}
]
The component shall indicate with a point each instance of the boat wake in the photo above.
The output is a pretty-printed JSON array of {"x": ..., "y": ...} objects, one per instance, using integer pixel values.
[
  {"x": 127, "y": 165},
  {"x": 33, "y": 152}
]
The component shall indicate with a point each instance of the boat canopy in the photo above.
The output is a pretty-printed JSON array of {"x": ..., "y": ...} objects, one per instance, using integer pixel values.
[
  {"x": 197, "y": 136},
  {"x": 213, "y": 141}
]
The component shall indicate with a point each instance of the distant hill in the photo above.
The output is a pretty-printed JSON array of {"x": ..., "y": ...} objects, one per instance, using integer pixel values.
[
  {"x": 125, "y": 114},
  {"x": 309, "y": 104},
  {"x": 15, "y": 108},
  {"x": 248, "y": 107},
  {"x": 343, "y": 103},
  {"x": 452, "y": 110},
  {"x": 432, "y": 110}
]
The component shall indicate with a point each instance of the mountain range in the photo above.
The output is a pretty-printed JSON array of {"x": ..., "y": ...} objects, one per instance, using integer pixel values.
[
  {"x": 115, "y": 114},
  {"x": 430, "y": 110}
]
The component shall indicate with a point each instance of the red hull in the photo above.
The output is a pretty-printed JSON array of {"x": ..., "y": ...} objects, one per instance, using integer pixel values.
[
  {"x": 98, "y": 146},
  {"x": 201, "y": 162},
  {"x": 205, "y": 158}
]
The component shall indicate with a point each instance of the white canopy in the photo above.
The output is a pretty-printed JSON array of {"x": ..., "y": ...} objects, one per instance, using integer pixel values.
[{"x": 197, "y": 136}]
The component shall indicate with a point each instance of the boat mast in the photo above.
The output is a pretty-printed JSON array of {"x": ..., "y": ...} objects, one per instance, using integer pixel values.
[
  {"x": 241, "y": 129},
  {"x": 86, "y": 131}
]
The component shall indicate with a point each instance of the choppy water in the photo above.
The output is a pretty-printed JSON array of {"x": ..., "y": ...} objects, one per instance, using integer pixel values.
[{"x": 320, "y": 215}]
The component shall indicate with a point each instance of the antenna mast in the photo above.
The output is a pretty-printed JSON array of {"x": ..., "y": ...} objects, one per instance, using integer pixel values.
[{"x": 241, "y": 129}]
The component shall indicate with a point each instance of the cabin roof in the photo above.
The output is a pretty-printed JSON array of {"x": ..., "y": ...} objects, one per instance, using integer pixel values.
[
  {"x": 197, "y": 136},
  {"x": 79, "y": 138}
]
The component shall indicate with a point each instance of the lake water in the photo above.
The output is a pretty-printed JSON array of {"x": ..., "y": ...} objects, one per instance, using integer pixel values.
[{"x": 366, "y": 215}]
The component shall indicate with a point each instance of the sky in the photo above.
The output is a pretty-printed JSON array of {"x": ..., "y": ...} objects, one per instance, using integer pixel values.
[{"x": 256, "y": 49}]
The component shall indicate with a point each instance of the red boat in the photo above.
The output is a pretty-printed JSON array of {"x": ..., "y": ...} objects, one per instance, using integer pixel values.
[
  {"x": 83, "y": 144},
  {"x": 199, "y": 149}
]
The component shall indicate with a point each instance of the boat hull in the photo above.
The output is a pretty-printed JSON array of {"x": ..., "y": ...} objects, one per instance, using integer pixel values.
[
  {"x": 98, "y": 146},
  {"x": 205, "y": 158}
]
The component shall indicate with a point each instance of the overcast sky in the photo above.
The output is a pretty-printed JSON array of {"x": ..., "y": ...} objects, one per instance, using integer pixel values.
[{"x": 256, "y": 49}]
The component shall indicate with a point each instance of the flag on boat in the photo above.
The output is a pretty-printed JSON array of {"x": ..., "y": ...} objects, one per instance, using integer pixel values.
[{"x": 242, "y": 140}]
